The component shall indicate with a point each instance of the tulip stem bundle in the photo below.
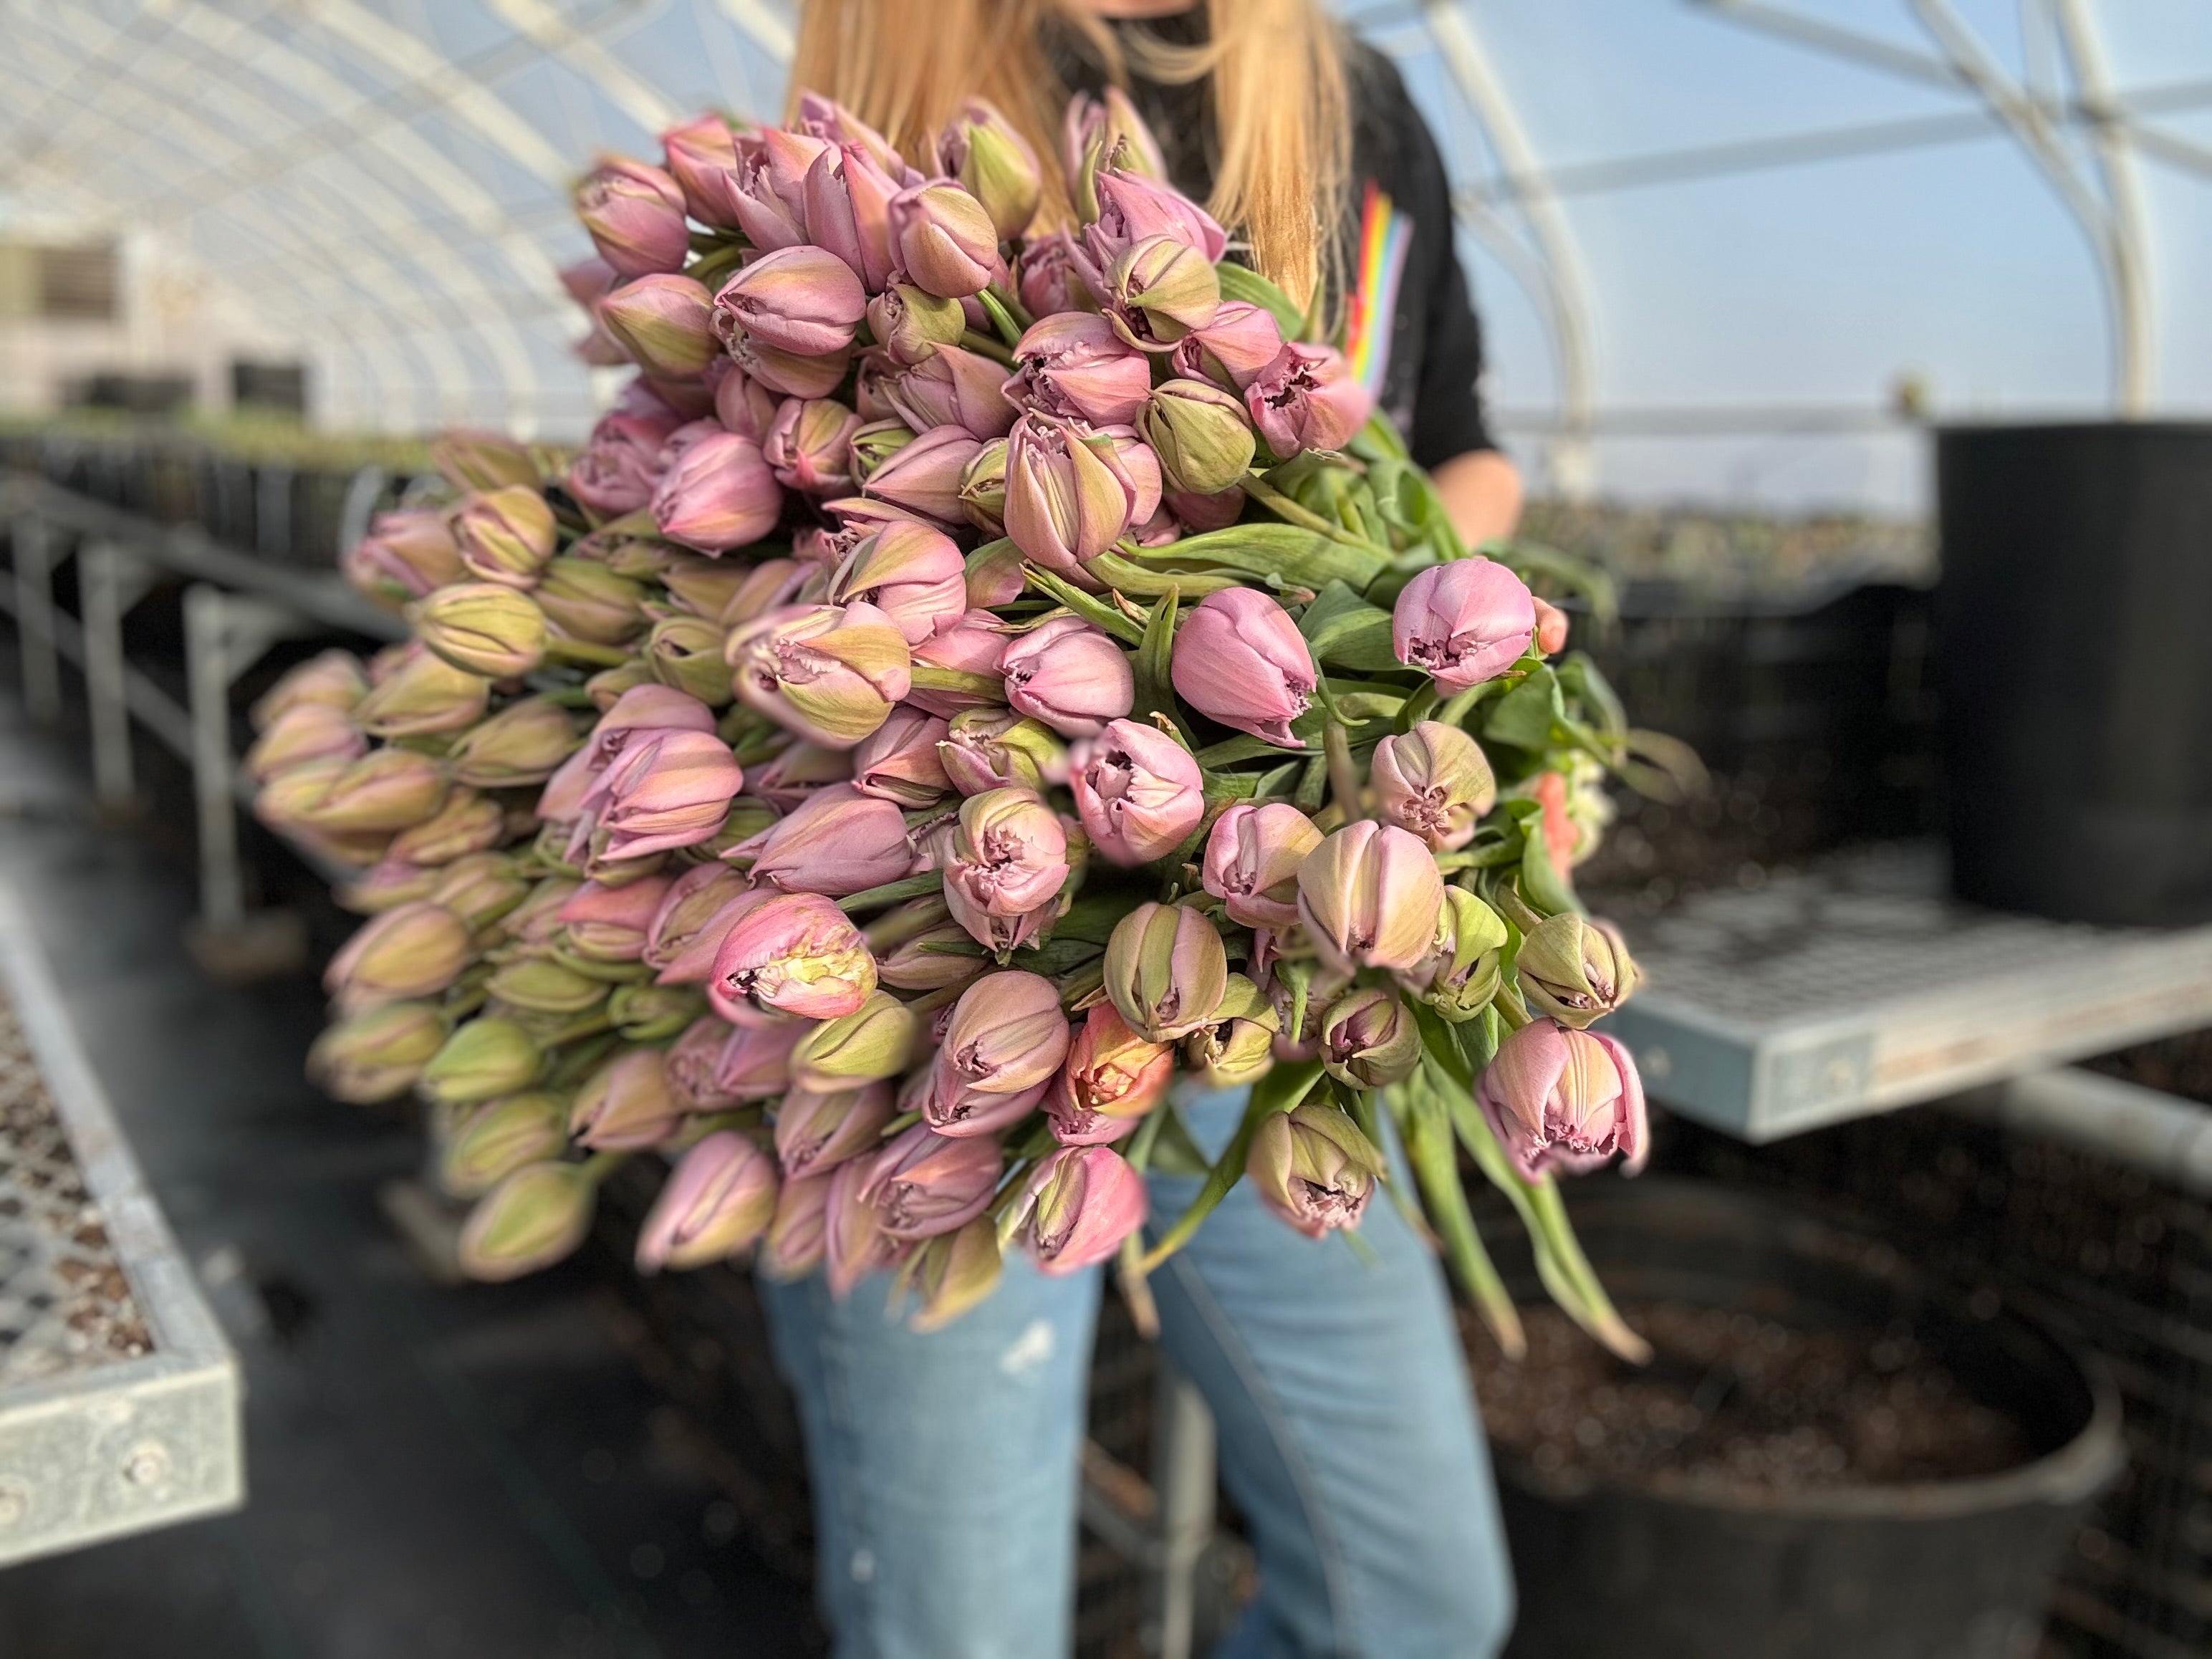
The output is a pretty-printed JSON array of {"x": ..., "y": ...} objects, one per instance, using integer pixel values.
[{"x": 972, "y": 680}]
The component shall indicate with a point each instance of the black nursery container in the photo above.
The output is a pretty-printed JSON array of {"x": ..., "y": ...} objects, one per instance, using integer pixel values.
[
  {"x": 2076, "y": 677},
  {"x": 1942, "y": 1570}
]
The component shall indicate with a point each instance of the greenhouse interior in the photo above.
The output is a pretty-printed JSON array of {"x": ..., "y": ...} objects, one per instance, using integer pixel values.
[{"x": 1001, "y": 829}]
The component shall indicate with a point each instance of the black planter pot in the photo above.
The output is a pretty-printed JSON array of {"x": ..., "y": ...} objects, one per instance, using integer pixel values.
[
  {"x": 2075, "y": 682},
  {"x": 1946, "y": 1570}
]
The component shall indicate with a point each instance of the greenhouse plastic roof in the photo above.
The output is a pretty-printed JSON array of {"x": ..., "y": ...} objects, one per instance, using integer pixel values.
[{"x": 1704, "y": 231}]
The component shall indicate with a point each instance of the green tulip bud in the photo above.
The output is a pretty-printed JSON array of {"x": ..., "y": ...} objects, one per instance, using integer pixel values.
[
  {"x": 534, "y": 1218},
  {"x": 877, "y": 1041},
  {"x": 1201, "y": 434},
  {"x": 481, "y": 1059},
  {"x": 499, "y": 1137},
  {"x": 378, "y": 1054}
]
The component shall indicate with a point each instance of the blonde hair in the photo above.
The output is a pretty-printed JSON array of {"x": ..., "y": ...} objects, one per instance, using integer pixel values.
[{"x": 1281, "y": 110}]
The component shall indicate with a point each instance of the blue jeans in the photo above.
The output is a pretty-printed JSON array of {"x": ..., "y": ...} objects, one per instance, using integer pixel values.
[{"x": 944, "y": 1466}]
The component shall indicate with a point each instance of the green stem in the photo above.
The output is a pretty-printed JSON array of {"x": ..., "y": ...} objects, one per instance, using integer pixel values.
[
  {"x": 1343, "y": 775},
  {"x": 900, "y": 1125},
  {"x": 1291, "y": 1084},
  {"x": 985, "y": 345},
  {"x": 560, "y": 648},
  {"x": 600, "y": 1165},
  {"x": 893, "y": 892},
  {"x": 1266, "y": 495}
]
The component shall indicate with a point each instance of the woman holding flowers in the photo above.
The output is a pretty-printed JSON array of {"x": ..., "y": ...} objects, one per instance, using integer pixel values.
[{"x": 946, "y": 1464}]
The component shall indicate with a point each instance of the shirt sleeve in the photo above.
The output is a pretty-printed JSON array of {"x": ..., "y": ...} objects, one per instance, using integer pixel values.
[{"x": 1448, "y": 413}]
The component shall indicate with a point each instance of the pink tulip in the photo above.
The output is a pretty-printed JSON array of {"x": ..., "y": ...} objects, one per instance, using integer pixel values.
[
  {"x": 1074, "y": 365},
  {"x": 611, "y": 924},
  {"x": 688, "y": 908},
  {"x": 1232, "y": 350},
  {"x": 798, "y": 1236},
  {"x": 1112, "y": 1077},
  {"x": 1008, "y": 859},
  {"x": 621, "y": 464},
  {"x": 506, "y": 535},
  {"x": 808, "y": 446},
  {"x": 742, "y": 404},
  {"x": 971, "y": 646},
  {"x": 1049, "y": 279},
  {"x": 831, "y": 122},
  {"x": 953, "y": 387},
  {"x": 720, "y": 1200},
  {"x": 1003, "y": 1045},
  {"x": 925, "y": 1183},
  {"x": 310, "y": 731},
  {"x": 1252, "y": 859},
  {"x": 717, "y": 494},
  {"x": 1138, "y": 792},
  {"x": 1435, "y": 781},
  {"x": 1080, "y": 1206},
  {"x": 1307, "y": 399},
  {"x": 899, "y": 762},
  {"x": 789, "y": 373},
  {"x": 839, "y": 841},
  {"x": 846, "y": 199},
  {"x": 625, "y": 1105},
  {"x": 702, "y": 156},
  {"x": 671, "y": 791},
  {"x": 1068, "y": 674},
  {"x": 1240, "y": 660},
  {"x": 999, "y": 749},
  {"x": 1133, "y": 207},
  {"x": 1370, "y": 895},
  {"x": 754, "y": 1062},
  {"x": 1564, "y": 1099},
  {"x": 830, "y": 673},
  {"x": 1070, "y": 493},
  {"x": 635, "y": 214},
  {"x": 796, "y": 954},
  {"x": 924, "y": 477},
  {"x": 637, "y": 714},
  {"x": 766, "y": 194},
  {"x": 688, "y": 1066},
  {"x": 854, "y": 1239},
  {"x": 816, "y": 1133},
  {"x": 1463, "y": 622},
  {"x": 1313, "y": 1169},
  {"x": 910, "y": 325},
  {"x": 913, "y": 573},
  {"x": 1551, "y": 628},
  {"x": 946, "y": 240},
  {"x": 660, "y": 321},
  {"x": 587, "y": 279},
  {"x": 803, "y": 300},
  {"x": 404, "y": 555},
  {"x": 789, "y": 781}
]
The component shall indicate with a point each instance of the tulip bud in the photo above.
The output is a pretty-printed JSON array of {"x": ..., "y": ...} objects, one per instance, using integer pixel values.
[
  {"x": 1233, "y": 1053},
  {"x": 639, "y": 714},
  {"x": 499, "y": 1137},
  {"x": 660, "y": 321},
  {"x": 1138, "y": 792},
  {"x": 686, "y": 652},
  {"x": 1307, "y": 399},
  {"x": 799, "y": 954},
  {"x": 1068, "y": 674},
  {"x": 913, "y": 574},
  {"x": 717, "y": 494},
  {"x": 468, "y": 823},
  {"x": 1006, "y": 1038},
  {"x": 611, "y": 924},
  {"x": 1079, "y": 1207},
  {"x": 1112, "y": 1078},
  {"x": 1368, "y": 1041},
  {"x": 334, "y": 679},
  {"x": 1200, "y": 434},
  {"x": 385, "y": 885},
  {"x": 505, "y": 536},
  {"x": 720, "y": 1198},
  {"x": 1104, "y": 132},
  {"x": 701, "y": 154},
  {"x": 376, "y": 1054},
  {"x": 925, "y": 1184},
  {"x": 802, "y": 300},
  {"x": 1134, "y": 207},
  {"x": 1314, "y": 1168},
  {"x": 620, "y": 463},
  {"x": 1049, "y": 278},
  {"x": 1458, "y": 977},
  {"x": 689, "y": 1065},
  {"x": 1161, "y": 289},
  {"x": 522, "y": 744},
  {"x": 538, "y": 982},
  {"x": 483, "y": 1058},
  {"x": 633, "y": 214},
  {"x": 481, "y": 889},
  {"x": 900, "y": 763},
  {"x": 952, "y": 387},
  {"x": 306, "y": 732},
  {"x": 1574, "y": 969},
  {"x": 1551, "y": 628},
  {"x": 808, "y": 446},
  {"x": 671, "y": 791},
  {"x": 625, "y": 1104},
  {"x": 1165, "y": 970},
  {"x": 1240, "y": 660},
  {"x": 924, "y": 477},
  {"x": 1463, "y": 622},
  {"x": 871, "y": 444},
  {"x": 652, "y": 1013},
  {"x": 766, "y": 586},
  {"x": 971, "y": 646},
  {"x": 944, "y": 957},
  {"x": 910, "y": 323},
  {"x": 798, "y": 1234},
  {"x": 404, "y": 555},
  {"x": 1370, "y": 895},
  {"x": 1564, "y": 1099},
  {"x": 955, "y": 1272},
  {"x": 945, "y": 237},
  {"x": 536, "y": 1217},
  {"x": 854, "y": 1243},
  {"x": 984, "y": 152},
  {"x": 998, "y": 749},
  {"x": 1073, "y": 365},
  {"x": 1233, "y": 350},
  {"x": 839, "y": 841},
  {"x": 1070, "y": 494},
  {"x": 481, "y": 627},
  {"x": 754, "y": 1061},
  {"x": 818, "y": 1129},
  {"x": 586, "y": 600},
  {"x": 790, "y": 780},
  {"x": 983, "y": 498},
  {"x": 829, "y": 673},
  {"x": 686, "y": 917},
  {"x": 1435, "y": 782},
  {"x": 1252, "y": 858},
  {"x": 383, "y": 791},
  {"x": 425, "y": 695},
  {"x": 1008, "y": 857}
]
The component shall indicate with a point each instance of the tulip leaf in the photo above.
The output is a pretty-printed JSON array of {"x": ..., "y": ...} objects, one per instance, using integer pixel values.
[
  {"x": 1424, "y": 1127},
  {"x": 1242, "y": 282},
  {"x": 1528, "y": 559},
  {"x": 1242, "y": 747},
  {"x": 1580, "y": 680},
  {"x": 1280, "y": 782},
  {"x": 1313, "y": 788},
  {"x": 1541, "y": 884},
  {"x": 1346, "y": 632},
  {"x": 1155, "y": 660},
  {"x": 1121, "y": 572},
  {"x": 1288, "y": 555},
  {"x": 1532, "y": 715},
  {"x": 1280, "y": 1091},
  {"x": 1175, "y": 1152},
  {"x": 927, "y": 677},
  {"x": 1088, "y": 606},
  {"x": 893, "y": 892}
]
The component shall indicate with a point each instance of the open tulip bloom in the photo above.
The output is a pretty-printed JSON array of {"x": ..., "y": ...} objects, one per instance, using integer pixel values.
[{"x": 968, "y": 679}]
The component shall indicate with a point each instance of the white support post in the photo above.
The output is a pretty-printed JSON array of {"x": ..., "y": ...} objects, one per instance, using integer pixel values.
[
  {"x": 1183, "y": 1481},
  {"x": 34, "y": 617},
  {"x": 113, "y": 582},
  {"x": 225, "y": 634}
]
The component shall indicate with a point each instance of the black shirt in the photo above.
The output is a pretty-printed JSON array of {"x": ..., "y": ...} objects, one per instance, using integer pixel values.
[{"x": 1430, "y": 386}]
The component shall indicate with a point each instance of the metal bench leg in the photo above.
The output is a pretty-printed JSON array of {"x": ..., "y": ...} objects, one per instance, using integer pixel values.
[
  {"x": 34, "y": 618},
  {"x": 1183, "y": 1477},
  {"x": 113, "y": 582}
]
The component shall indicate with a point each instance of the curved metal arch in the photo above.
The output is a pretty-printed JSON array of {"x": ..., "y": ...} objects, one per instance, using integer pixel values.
[
  {"x": 445, "y": 275},
  {"x": 555, "y": 35}
]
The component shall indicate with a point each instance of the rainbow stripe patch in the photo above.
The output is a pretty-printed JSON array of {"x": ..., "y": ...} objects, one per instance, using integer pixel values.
[{"x": 1385, "y": 237}]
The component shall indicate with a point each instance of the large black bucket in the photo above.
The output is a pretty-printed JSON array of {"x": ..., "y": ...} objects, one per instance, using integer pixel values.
[
  {"x": 1956, "y": 1569},
  {"x": 2072, "y": 620}
]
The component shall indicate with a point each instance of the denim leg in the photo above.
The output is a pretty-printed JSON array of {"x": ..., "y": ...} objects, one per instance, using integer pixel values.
[
  {"x": 943, "y": 1466},
  {"x": 1347, "y": 1428}
]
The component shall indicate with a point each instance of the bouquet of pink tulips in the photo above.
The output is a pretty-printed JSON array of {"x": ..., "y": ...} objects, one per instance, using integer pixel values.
[{"x": 971, "y": 677}]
